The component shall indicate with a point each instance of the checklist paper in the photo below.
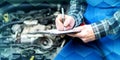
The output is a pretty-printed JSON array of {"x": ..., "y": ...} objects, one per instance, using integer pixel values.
[{"x": 54, "y": 31}]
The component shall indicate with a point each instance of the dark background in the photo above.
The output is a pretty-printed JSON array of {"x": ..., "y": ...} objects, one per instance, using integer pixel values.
[{"x": 36, "y": 1}]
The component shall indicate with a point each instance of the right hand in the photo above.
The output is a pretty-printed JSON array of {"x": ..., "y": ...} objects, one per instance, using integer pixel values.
[{"x": 68, "y": 23}]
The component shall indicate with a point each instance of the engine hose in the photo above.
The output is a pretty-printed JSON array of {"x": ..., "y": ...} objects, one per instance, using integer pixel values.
[{"x": 11, "y": 23}]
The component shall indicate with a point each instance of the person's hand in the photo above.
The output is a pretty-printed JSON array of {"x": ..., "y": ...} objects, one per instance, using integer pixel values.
[
  {"x": 86, "y": 33},
  {"x": 68, "y": 23}
]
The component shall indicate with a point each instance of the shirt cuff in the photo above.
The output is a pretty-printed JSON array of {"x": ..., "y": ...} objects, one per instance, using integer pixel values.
[
  {"x": 77, "y": 22},
  {"x": 99, "y": 29}
]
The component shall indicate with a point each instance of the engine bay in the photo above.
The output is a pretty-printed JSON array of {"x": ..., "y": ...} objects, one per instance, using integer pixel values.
[{"x": 17, "y": 21}]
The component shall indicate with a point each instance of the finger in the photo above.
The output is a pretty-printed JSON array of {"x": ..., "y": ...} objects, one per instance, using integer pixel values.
[
  {"x": 67, "y": 28},
  {"x": 76, "y": 35},
  {"x": 79, "y": 35},
  {"x": 66, "y": 22},
  {"x": 84, "y": 40},
  {"x": 72, "y": 35},
  {"x": 59, "y": 18},
  {"x": 59, "y": 24},
  {"x": 69, "y": 23}
]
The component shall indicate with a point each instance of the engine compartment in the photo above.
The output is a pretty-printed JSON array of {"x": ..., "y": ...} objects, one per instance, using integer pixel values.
[{"x": 17, "y": 21}]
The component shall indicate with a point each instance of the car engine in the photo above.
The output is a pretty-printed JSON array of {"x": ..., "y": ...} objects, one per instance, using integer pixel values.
[{"x": 17, "y": 21}]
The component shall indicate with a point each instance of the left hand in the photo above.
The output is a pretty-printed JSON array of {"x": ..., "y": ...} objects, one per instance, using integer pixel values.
[{"x": 86, "y": 34}]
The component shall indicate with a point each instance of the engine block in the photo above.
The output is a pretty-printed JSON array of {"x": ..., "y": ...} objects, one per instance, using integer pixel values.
[{"x": 16, "y": 44}]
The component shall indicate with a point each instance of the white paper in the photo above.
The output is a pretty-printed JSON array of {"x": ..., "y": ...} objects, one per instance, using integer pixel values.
[{"x": 54, "y": 31}]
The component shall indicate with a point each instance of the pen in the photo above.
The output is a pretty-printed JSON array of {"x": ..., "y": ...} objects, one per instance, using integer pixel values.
[{"x": 63, "y": 16}]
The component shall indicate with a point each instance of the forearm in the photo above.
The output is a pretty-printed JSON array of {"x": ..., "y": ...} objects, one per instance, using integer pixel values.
[
  {"x": 77, "y": 8},
  {"x": 107, "y": 26}
]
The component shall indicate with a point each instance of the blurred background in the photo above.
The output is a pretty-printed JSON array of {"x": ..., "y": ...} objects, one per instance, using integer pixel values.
[{"x": 19, "y": 17}]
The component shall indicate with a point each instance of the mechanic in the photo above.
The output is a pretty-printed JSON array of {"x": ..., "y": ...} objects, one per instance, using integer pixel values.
[{"x": 99, "y": 38}]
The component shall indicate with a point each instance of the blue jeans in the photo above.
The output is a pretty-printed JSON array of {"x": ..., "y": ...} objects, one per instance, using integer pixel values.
[{"x": 77, "y": 50}]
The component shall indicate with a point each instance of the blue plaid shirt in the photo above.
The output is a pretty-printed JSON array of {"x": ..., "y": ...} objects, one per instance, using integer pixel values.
[{"x": 102, "y": 28}]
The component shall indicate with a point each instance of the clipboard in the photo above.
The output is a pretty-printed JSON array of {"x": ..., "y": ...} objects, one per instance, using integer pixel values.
[{"x": 55, "y": 32}]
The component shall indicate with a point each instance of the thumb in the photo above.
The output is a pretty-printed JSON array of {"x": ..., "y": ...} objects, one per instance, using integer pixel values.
[
  {"x": 78, "y": 29},
  {"x": 66, "y": 22}
]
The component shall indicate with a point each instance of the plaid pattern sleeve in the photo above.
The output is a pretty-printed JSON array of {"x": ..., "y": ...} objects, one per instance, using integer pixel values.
[
  {"x": 107, "y": 26},
  {"x": 77, "y": 8}
]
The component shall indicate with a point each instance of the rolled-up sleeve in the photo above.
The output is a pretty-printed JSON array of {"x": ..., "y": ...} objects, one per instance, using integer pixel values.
[
  {"x": 107, "y": 26},
  {"x": 77, "y": 8}
]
